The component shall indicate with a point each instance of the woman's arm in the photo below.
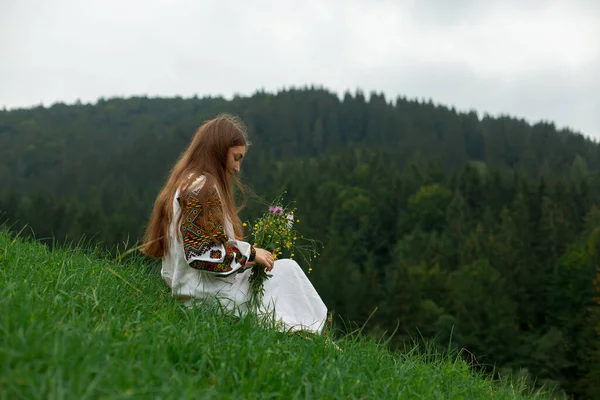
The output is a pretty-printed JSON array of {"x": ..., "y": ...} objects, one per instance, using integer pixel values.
[{"x": 206, "y": 245}]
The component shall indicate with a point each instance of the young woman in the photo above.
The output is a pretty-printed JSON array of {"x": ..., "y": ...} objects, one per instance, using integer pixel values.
[{"x": 197, "y": 232}]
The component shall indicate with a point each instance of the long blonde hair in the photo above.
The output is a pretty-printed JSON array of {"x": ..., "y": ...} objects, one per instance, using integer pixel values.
[{"x": 206, "y": 155}]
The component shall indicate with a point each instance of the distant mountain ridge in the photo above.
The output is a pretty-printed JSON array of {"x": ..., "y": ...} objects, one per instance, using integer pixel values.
[{"x": 50, "y": 148}]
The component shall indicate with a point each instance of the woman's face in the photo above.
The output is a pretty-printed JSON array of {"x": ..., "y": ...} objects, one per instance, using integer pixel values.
[{"x": 234, "y": 158}]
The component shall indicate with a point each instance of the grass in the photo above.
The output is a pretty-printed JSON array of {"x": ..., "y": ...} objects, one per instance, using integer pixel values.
[{"x": 76, "y": 325}]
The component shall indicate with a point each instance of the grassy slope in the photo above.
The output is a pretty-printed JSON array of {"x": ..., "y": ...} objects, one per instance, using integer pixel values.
[{"x": 74, "y": 325}]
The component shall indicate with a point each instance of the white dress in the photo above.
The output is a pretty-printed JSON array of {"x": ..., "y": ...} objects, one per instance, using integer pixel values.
[{"x": 289, "y": 296}]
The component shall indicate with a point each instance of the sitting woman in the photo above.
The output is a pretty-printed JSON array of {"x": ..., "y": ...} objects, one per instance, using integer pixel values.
[{"x": 197, "y": 232}]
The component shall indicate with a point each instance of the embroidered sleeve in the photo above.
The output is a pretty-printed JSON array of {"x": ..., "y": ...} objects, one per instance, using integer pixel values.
[{"x": 206, "y": 245}]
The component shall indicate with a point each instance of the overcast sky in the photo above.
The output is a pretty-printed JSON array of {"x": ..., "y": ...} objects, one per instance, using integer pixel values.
[{"x": 535, "y": 61}]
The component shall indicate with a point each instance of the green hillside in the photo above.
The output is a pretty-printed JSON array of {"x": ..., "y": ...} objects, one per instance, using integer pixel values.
[{"x": 76, "y": 325}]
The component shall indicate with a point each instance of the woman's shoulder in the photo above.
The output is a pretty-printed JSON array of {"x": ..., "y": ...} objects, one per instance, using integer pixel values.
[
  {"x": 200, "y": 188},
  {"x": 197, "y": 183}
]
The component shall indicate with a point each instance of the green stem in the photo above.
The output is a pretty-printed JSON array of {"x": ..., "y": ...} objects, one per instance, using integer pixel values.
[{"x": 257, "y": 282}]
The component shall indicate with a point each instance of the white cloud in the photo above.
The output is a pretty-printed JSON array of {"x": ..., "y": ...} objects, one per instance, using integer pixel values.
[{"x": 536, "y": 59}]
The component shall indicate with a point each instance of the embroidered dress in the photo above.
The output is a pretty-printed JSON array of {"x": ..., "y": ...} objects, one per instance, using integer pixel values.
[{"x": 205, "y": 261}]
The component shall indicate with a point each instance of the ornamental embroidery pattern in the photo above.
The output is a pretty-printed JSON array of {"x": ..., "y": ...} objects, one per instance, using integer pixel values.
[
  {"x": 200, "y": 234},
  {"x": 225, "y": 266},
  {"x": 232, "y": 254}
]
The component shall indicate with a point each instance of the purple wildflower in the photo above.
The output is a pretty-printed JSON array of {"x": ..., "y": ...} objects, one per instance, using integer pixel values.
[{"x": 276, "y": 210}]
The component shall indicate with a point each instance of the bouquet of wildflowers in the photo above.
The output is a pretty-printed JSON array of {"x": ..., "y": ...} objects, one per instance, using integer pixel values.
[{"x": 275, "y": 232}]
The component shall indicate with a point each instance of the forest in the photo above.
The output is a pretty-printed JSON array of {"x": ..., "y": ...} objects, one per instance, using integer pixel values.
[{"x": 471, "y": 231}]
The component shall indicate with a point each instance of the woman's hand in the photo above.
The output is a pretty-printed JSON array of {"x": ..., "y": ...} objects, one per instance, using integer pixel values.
[{"x": 265, "y": 258}]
